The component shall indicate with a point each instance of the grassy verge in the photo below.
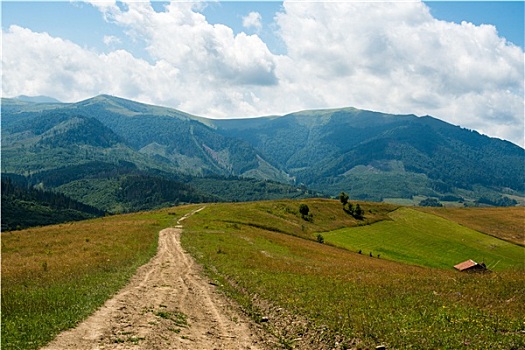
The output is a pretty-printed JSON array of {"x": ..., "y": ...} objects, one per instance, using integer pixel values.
[
  {"x": 323, "y": 297},
  {"x": 55, "y": 276}
]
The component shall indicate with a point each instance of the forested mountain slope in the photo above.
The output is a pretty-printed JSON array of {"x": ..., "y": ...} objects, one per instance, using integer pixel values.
[
  {"x": 147, "y": 135},
  {"x": 376, "y": 155},
  {"x": 25, "y": 206},
  {"x": 370, "y": 155}
]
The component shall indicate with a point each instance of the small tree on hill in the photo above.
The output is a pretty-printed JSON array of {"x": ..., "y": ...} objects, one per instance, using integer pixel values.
[
  {"x": 358, "y": 212},
  {"x": 350, "y": 209},
  {"x": 343, "y": 197},
  {"x": 347, "y": 206},
  {"x": 304, "y": 210}
]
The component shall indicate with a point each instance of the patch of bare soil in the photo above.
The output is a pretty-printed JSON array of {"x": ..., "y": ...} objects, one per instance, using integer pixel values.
[{"x": 168, "y": 304}]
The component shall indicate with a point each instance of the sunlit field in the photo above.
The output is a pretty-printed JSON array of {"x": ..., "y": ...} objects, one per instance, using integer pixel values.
[
  {"x": 505, "y": 223},
  {"x": 269, "y": 258},
  {"x": 415, "y": 237},
  {"x": 54, "y": 276},
  {"x": 339, "y": 298}
]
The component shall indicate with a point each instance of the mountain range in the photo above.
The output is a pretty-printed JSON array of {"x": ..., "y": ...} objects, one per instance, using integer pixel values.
[{"x": 91, "y": 149}]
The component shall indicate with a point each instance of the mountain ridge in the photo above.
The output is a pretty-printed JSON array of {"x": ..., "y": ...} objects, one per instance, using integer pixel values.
[
  {"x": 422, "y": 143},
  {"x": 371, "y": 155}
]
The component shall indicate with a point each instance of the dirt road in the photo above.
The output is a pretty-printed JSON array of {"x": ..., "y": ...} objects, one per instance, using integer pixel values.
[{"x": 168, "y": 304}]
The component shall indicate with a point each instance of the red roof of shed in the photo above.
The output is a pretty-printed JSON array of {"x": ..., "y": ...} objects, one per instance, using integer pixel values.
[{"x": 465, "y": 265}]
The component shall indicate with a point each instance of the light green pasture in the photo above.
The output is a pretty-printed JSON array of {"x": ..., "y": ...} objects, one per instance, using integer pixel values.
[{"x": 423, "y": 239}]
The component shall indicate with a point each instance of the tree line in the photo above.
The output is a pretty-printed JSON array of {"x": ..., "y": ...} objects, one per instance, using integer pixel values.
[
  {"x": 356, "y": 211},
  {"x": 12, "y": 191}
]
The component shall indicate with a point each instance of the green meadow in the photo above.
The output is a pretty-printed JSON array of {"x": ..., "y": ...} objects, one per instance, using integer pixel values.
[
  {"x": 414, "y": 237},
  {"x": 267, "y": 257},
  {"x": 321, "y": 296},
  {"x": 55, "y": 276}
]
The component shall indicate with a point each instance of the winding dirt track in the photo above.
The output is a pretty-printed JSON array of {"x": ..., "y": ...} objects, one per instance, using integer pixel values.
[{"x": 166, "y": 305}]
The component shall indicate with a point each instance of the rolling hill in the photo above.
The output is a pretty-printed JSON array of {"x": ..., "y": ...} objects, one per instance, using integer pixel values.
[
  {"x": 265, "y": 255},
  {"x": 412, "y": 236},
  {"x": 370, "y": 155}
]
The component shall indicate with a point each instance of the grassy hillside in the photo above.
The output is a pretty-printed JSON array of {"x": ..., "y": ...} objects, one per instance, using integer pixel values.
[
  {"x": 415, "y": 237},
  {"x": 266, "y": 256},
  {"x": 54, "y": 276},
  {"x": 505, "y": 223},
  {"x": 319, "y": 296}
]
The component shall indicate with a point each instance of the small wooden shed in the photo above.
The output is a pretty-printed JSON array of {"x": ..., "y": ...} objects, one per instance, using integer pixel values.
[{"x": 470, "y": 266}]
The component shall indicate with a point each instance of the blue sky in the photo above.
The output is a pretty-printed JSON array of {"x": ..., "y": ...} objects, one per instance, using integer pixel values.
[
  {"x": 89, "y": 26},
  {"x": 458, "y": 61},
  {"x": 507, "y": 16}
]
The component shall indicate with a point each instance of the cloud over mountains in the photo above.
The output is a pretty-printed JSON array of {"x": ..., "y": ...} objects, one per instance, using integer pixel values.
[{"x": 391, "y": 57}]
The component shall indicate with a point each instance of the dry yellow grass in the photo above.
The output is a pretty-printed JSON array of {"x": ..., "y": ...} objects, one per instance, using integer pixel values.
[
  {"x": 505, "y": 223},
  {"x": 54, "y": 276},
  {"x": 54, "y": 252}
]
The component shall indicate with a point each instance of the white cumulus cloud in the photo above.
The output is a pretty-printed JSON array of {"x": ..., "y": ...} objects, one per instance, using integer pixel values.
[
  {"x": 50, "y": 66},
  {"x": 252, "y": 20},
  {"x": 111, "y": 40},
  {"x": 395, "y": 57}
]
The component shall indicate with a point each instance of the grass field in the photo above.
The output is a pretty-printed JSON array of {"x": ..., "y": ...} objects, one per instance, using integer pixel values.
[
  {"x": 54, "y": 276},
  {"x": 416, "y": 237},
  {"x": 265, "y": 255},
  {"x": 334, "y": 298},
  {"x": 505, "y": 223}
]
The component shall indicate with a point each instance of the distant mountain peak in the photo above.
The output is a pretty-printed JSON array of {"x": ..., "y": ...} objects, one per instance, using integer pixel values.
[
  {"x": 112, "y": 98},
  {"x": 132, "y": 108},
  {"x": 105, "y": 98}
]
